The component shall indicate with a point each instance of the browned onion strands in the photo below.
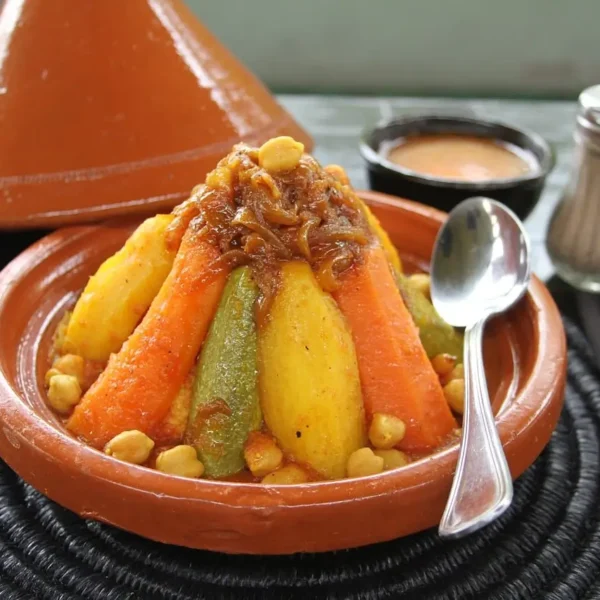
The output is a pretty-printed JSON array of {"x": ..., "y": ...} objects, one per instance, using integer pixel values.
[{"x": 261, "y": 219}]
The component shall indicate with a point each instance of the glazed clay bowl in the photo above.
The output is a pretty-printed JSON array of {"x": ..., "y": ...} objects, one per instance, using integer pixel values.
[
  {"x": 520, "y": 194},
  {"x": 525, "y": 355}
]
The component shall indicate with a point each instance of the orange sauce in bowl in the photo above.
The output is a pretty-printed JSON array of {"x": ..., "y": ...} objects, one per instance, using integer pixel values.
[{"x": 461, "y": 157}]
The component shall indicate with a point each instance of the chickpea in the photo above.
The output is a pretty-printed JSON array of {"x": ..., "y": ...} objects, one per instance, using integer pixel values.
[
  {"x": 180, "y": 460},
  {"x": 71, "y": 364},
  {"x": 443, "y": 364},
  {"x": 288, "y": 475},
  {"x": 386, "y": 431},
  {"x": 422, "y": 282},
  {"x": 364, "y": 462},
  {"x": 392, "y": 459},
  {"x": 262, "y": 454},
  {"x": 280, "y": 154},
  {"x": 50, "y": 373},
  {"x": 64, "y": 392},
  {"x": 130, "y": 446},
  {"x": 457, "y": 373},
  {"x": 454, "y": 391}
]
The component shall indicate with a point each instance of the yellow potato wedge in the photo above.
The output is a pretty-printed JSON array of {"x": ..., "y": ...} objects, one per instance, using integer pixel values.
[
  {"x": 118, "y": 295},
  {"x": 389, "y": 248},
  {"x": 308, "y": 375}
]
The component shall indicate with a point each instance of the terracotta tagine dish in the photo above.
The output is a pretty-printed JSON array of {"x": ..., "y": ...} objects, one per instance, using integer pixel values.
[
  {"x": 110, "y": 108},
  {"x": 261, "y": 368}
]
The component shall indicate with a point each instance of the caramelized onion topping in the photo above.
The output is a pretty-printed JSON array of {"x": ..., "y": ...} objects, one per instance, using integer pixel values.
[{"x": 261, "y": 218}]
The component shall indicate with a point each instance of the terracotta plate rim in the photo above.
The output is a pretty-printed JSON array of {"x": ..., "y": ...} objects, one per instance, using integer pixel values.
[{"x": 20, "y": 420}]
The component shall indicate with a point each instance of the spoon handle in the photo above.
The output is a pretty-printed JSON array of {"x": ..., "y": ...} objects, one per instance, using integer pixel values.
[{"x": 482, "y": 488}]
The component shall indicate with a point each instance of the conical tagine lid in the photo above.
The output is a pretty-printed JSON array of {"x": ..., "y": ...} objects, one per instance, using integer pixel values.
[{"x": 117, "y": 107}]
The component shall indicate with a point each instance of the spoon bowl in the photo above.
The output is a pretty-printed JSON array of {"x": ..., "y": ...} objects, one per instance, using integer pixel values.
[
  {"x": 480, "y": 268},
  {"x": 481, "y": 264}
]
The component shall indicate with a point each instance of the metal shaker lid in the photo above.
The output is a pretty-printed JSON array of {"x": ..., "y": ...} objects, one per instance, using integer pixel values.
[{"x": 589, "y": 105}]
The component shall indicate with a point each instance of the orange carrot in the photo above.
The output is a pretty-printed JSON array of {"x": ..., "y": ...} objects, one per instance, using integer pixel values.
[
  {"x": 396, "y": 375},
  {"x": 140, "y": 383}
]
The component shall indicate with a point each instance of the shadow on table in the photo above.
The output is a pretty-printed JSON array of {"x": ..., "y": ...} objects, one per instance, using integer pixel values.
[{"x": 13, "y": 243}]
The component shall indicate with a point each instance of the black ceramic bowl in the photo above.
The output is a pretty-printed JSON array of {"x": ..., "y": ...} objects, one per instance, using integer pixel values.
[{"x": 520, "y": 193}]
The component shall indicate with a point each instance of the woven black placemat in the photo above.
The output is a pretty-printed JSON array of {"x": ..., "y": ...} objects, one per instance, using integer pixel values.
[{"x": 547, "y": 546}]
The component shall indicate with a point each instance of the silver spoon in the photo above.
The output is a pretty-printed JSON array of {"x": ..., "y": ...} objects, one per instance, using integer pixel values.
[{"x": 481, "y": 267}]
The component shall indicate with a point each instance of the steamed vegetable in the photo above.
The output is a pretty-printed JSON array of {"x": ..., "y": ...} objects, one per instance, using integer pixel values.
[
  {"x": 137, "y": 388},
  {"x": 384, "y": 239},
  {"x": 172, "y": 428},
  {"x": 396, "y": 375},
  {"x": 118, "y": 295},
  {"x": 309, "y": 381},
  {"x": 264, "y": 326},
  {"x": 225, "y": 405},
  {"x": 436, "y": 335}
]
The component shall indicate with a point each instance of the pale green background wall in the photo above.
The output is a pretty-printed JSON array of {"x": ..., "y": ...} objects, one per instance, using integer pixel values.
[{"x": 500, "y": 47}]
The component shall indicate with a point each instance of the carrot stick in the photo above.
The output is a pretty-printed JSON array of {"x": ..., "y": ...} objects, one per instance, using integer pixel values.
[
  {"x": 396, "y": 375},
  {"x": 138, "y": 386}
]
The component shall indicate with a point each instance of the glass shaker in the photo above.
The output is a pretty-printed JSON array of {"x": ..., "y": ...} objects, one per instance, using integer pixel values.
[{"x": 573, "y": 240}]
